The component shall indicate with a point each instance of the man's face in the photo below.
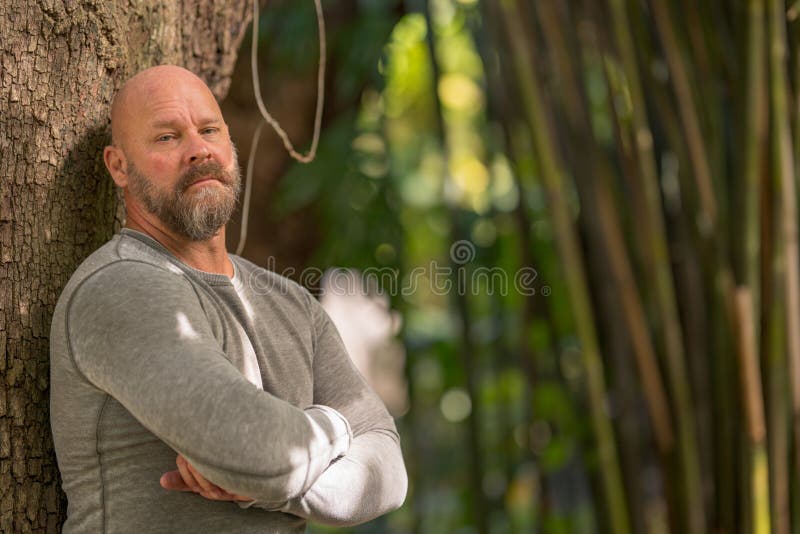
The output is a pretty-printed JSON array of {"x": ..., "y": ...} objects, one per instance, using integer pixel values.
[
  {"x": 173, "y": 152},
  {"x": 195, "y": 211}
]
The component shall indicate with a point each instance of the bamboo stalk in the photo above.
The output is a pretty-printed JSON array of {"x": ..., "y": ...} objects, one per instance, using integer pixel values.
[
  {"x": 750, "y": 373},
  {"x": 755, "y": 128},
  {"x": 480, "y": 506},
  {"x": 777, "y": 389},
  {"x": 699, "y": 51},
  {"x": 627, "y": 348},
  {"x": 665, "y": 293},
  {"x": 694, "y": 301},
  {"x": 613, "y": 241},
  {"x": 698, "y": 155},
  {"x": 629, "y": 165},
  {"x": 672, "y": 493},
  {"x": 552, "y": 176},
  {"x": 415, "y": 457},
  {"x": 500, "y": 108},
  {"x": 753, "y": 147},
  {"x": 694, "y": 274},
  {"x": 784, "y": 170}
]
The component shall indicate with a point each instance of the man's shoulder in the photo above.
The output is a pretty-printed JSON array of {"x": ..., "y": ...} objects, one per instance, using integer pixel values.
[
  {"x": 130, "y": 260},
  {"x": 111, "y": 278}
]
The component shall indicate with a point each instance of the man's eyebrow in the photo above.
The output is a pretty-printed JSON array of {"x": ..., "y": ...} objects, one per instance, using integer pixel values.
[{"x": 174, "y": 123}]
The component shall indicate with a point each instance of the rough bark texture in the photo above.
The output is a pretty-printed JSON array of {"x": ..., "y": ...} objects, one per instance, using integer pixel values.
[{"x": 60, "y": 64}]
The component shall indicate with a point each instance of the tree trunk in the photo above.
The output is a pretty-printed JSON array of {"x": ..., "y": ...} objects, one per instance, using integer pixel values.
[{"x": 60, "y": 64}]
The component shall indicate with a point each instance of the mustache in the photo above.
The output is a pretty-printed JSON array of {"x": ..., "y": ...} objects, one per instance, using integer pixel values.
[{"x": 209, "y": 169}]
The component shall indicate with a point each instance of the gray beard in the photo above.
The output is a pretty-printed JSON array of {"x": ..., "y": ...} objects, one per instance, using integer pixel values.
[{"x": 196, "y": 215}]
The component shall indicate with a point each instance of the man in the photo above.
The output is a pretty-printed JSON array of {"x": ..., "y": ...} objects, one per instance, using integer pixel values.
[{"x": 167, "y": 350}]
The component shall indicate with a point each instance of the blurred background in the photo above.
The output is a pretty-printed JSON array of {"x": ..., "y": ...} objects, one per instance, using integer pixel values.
[{"x": 567, "y": 233}]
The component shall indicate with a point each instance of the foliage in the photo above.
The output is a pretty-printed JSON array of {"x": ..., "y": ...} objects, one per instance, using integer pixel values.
[{"x": 637, "y": 157}]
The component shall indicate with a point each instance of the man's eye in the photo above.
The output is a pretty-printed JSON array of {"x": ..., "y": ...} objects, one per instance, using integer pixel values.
[
  {"x": 210, "y": 130},
  {"x": 164, "y": 138}
]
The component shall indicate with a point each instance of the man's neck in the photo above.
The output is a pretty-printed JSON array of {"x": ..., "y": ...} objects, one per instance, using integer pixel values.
[{"x": 210, "y": 256}]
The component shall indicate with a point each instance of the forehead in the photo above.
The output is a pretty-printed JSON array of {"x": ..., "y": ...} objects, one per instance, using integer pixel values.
[
  {"x": 177, "y": 102},
  {"x": 156, "y": 100}
]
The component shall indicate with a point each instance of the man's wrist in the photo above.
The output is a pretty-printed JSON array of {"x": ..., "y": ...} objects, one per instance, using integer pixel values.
[{"x": 335, "y": 425}]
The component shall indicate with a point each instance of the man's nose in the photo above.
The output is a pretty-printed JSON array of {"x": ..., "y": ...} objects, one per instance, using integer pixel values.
[{"x": 198, "y": 151}]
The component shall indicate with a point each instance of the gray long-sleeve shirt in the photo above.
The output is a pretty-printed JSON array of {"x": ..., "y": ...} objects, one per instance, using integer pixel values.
[{"x": 149, "y": 358}]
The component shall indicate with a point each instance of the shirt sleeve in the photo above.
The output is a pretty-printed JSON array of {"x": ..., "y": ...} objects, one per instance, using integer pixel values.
[
  {"x": 140, "y": 334},
  {"x": 370, "y": 480}
]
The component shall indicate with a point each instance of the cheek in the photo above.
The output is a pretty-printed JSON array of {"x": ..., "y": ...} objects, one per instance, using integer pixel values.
[
  {"x": 224, "y": 155},
  {"x": 163, "y": 170}
]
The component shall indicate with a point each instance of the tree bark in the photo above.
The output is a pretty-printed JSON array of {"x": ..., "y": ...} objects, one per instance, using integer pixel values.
[{"x": 60, "y": 63}]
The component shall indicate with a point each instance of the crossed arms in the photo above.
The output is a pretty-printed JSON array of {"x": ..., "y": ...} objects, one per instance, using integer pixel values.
[{"x": 335, "y": 462}]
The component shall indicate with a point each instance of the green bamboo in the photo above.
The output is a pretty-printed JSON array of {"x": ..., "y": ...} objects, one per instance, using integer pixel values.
[
  {"x": 692, "y": 275},
  {"x": 613, "y": 240},
  {"x": 792, "y": 469},
  {"x": 673, "y": 494},
  {"x": 763, "y": 509},
  {"x": 786, "y": 245},
  {"x": 665, "y": 292},
  {"x": 755, "y": 128},
  {"x": 500, "y": 108},
  {"x": 697, "y": 49},
  {"x": 715, "y": 440},
  {"x": 687, "y": 109},
  {"x": 413, "y": 448},
  {"x": 754, "y": 408},
  {"x": 552, "y": 176},
  {"x": 777, "y": 389},
  {"x": 480, "y": 507},
  {"x": 784, "y": 172},
  {"x": 627, "y": 346}
]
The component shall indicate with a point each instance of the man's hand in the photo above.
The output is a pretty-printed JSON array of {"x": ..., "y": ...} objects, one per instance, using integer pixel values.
[{"x": 186, "y": 478}]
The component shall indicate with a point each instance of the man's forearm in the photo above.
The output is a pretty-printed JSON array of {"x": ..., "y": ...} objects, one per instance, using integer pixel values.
[
  {"x": 370, "y": 480},
  {"x": 290, "y": 476}
]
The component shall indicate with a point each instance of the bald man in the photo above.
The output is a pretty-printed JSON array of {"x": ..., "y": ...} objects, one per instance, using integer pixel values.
[{"x": 192, "y": 391}]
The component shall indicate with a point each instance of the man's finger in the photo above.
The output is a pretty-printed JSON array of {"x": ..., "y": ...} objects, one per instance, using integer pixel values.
[
  {"x": 205, "y": 485},
  {"x": 186, "y": 474},
  {"x": 187, "y": 478},
  {"x": 172, "y": 480}
]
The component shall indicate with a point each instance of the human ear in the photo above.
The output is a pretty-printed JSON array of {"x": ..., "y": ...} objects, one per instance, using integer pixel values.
[{"x": 116, "y": 164}]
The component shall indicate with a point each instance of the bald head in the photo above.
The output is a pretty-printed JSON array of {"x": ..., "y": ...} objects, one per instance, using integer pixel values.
[
  {"x": 165, "y": 120},
  {"x": 145, "y": 87}
]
